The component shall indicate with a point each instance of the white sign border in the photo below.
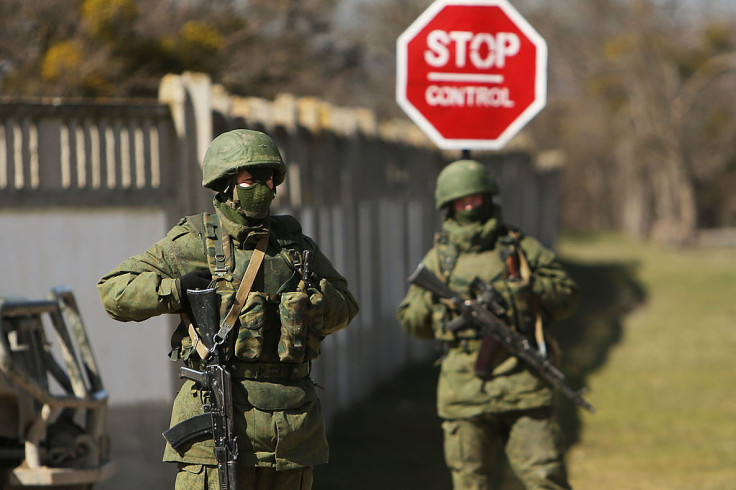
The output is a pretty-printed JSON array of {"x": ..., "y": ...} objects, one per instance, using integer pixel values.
[{"x": 540, "y": 82}]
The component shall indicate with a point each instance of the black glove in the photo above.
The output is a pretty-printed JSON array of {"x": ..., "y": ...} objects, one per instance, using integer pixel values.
[{"x": 199, "y": 279}]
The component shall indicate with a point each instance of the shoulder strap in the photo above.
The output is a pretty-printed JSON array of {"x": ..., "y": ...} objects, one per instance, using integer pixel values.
[
  {"x": 217, "y": 247},
  {"x": 207, "y": 226},
  {"x": 198, "y": 345}
]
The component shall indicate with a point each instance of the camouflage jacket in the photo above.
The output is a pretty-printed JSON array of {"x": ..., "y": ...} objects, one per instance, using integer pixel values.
[
  {"x": 280, "y": 421},
  {"x": 462, "y": 253}
]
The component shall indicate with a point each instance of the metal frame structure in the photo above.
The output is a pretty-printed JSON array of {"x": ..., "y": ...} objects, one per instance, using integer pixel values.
[{"x": 56, "y": 414}]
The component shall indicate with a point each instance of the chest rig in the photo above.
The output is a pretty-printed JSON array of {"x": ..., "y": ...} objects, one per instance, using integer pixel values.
[
  {"x": 461, "y": 269},
  {"x": 506, "y": 263},
  {"x": 269, "y": 325}
]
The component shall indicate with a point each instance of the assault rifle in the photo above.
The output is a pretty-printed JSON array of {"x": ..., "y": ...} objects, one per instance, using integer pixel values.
[
  {"x": 215, "y": 380},
  {"x": 493, "y": 328}
]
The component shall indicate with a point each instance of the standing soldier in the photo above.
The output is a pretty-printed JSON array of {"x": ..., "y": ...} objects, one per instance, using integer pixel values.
[
  {"x": 271, "y": 318},
  {"x": 506, "y": 405}
]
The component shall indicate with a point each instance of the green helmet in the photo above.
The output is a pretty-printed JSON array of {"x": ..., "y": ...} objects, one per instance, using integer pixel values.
[
  {"x": 238, "y": 149},
  {"x": 463, "y": 178}
]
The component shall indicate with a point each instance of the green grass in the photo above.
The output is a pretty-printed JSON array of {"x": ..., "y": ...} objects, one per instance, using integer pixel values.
[{"x": 665, "y": 395}]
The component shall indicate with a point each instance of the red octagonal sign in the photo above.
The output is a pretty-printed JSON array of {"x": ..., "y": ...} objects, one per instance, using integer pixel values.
[{"x": 471, "y": 73}]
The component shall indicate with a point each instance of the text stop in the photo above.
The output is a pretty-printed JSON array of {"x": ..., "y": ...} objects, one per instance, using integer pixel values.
[{"x": 484, "y": 49}]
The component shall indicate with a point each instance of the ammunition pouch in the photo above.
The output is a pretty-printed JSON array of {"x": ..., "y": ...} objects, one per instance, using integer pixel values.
[
  {"x": 293, "y": 311},
  {"x": 301, "y": 325},
  {"x": 253, "y": 319},
  {"x": 277, "y": 311}
]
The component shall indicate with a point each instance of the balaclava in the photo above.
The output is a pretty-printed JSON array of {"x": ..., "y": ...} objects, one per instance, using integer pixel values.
[
  {"x": 477, "y": 214},
  {"x": 255, "y": 200}
]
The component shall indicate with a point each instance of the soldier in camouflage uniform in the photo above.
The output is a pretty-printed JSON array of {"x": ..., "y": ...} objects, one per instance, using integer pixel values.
[
  {"x": 277, "y": 413},
  {"x": 511, "y": 407}
]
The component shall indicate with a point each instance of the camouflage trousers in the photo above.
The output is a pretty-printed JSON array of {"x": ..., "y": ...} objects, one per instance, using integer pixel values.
[
  {"x": 529, "y": 438},
  {"x": 205, "y": 477}
]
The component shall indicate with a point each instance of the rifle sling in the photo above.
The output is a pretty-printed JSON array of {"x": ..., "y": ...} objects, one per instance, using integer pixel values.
[
  {"x": 196, "y": 340},
  {"x": 244, "y": 289}
]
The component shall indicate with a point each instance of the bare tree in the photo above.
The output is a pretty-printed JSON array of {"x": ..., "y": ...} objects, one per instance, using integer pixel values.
[{"x": 639, "y": 100}]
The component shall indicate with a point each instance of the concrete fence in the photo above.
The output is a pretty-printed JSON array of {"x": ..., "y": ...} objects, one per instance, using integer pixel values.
[
  {"x": 77, "y": 152},
  {"x": 84, "y": 185}
]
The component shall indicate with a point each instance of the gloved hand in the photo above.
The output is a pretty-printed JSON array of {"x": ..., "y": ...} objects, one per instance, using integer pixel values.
[
  {"x": 335, "y": 307},
  {"x": 198, "y": 279},
  {"x": 520, "y": 289},
  {"x": 521, "y": 297},
  {"x": 514, "y": 295}
]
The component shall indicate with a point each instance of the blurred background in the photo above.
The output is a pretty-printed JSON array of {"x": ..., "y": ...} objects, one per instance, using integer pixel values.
[
  {"x": 637, "y": 143},
  {"x": 640, "y": 91}
]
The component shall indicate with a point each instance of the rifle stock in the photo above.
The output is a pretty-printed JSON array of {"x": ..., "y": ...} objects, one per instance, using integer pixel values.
[
  {"x": 492, "y": 327},
  {"x": 424, "y": 278},
  {"x": 203, "y": 303}
]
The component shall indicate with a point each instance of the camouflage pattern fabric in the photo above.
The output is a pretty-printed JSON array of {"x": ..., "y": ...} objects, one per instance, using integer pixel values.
[
  {"x": 461, "y": 394},
  {"x": 532, "y": 449},
  {"x": 280, "y": 425},
  {"x": 279, "y": 421},
  {"x": 461, "y": 254},
  {"x": 201, "y": 477}
]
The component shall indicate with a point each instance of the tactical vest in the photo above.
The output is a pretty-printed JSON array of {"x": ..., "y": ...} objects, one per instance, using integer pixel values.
[
  {"x": 495, "y": 266},
  {"x": 278, "y": 322},
  {"x": 521, "y": 313}
]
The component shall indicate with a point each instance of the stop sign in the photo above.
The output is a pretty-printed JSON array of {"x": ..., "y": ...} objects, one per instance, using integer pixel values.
[{"x": 471, "y": 73}]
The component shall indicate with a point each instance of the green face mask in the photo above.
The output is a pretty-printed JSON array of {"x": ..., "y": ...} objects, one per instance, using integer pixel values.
[
  {"x": 466, "y": 216},
  {"x": 475, "y": 215},
  {"x": 255, "y": 199}
]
